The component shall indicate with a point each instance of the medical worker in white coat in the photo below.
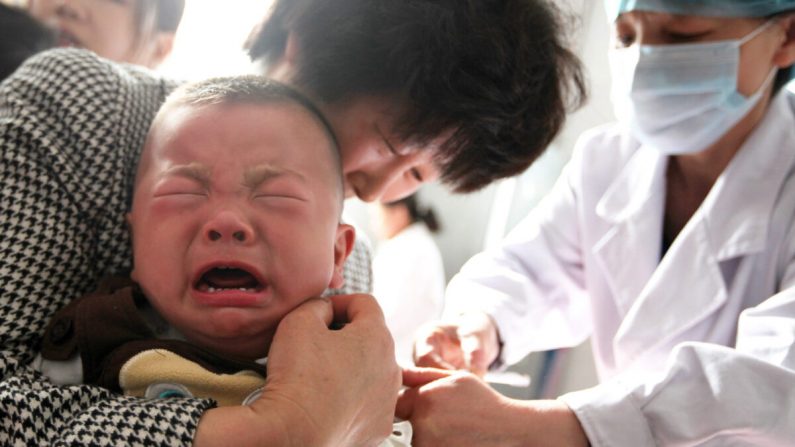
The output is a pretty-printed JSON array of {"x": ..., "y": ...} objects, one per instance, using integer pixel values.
[{"x": 669, "y": 241}]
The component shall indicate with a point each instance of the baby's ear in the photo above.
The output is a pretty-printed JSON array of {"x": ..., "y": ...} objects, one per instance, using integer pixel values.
[
  {"x": 343, "y": 246},
  {"x": 128, "y": 219}
]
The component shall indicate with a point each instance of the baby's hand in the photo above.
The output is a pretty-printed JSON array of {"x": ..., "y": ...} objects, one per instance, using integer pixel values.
[{"x": 470, "y": 342}]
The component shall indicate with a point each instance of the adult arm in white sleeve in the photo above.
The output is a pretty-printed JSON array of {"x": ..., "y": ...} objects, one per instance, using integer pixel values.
[
  {"x": 709, "y": 395},
  {"x": 532, "y": 285}
]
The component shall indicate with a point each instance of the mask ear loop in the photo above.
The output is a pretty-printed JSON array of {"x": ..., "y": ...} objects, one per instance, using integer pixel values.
[
  {"x": 766, "y": 84},
  {"x": 759, "y": 30},
  {"x": 750, "y": 36}
]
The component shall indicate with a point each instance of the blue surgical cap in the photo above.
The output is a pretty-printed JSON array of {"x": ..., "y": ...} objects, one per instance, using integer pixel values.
[{"x": 719, "y": 8}]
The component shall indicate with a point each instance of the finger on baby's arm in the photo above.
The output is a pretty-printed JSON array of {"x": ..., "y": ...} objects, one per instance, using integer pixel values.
[
  {"x": 405, "y": 403},
  {"x": 432, "y": 359},
  {"x": 414, "y": 377}
]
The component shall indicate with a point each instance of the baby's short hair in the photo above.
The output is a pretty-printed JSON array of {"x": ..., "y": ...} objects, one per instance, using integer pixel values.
[
  {"x": 247, "y": 89},
  {"x": 251, "y": 90}
]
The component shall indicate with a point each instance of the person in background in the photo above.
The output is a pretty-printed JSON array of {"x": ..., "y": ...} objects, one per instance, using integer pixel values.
[
  {"x": 462, "y": 91},
  {"x": 408, "y": 274},
  {"x": 134, "y": 31},
  {"x": 21, "y": 36},
  {"x": 669, "y": 241}
]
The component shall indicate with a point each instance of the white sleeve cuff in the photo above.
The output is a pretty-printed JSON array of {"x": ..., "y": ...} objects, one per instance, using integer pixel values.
[{"x": 610, "y": 416}]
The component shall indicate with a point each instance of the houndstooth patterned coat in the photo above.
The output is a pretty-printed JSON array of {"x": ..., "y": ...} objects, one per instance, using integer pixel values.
[{"x": 71, "y": 129}]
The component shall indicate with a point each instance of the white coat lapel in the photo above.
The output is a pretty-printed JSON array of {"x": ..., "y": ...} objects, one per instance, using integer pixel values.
[
  {"x": 629, "y": 251},
  {"x": 688, "y": 286}
]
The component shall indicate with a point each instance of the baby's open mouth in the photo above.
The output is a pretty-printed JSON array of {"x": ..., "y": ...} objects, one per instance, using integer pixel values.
[{"x": 222, "y": 278}]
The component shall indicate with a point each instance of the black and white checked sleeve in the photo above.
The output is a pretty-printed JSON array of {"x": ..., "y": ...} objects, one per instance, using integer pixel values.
[{"x": 71, "y": 128}]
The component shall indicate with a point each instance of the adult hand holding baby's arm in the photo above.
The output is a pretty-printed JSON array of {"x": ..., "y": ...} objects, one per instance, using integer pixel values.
[
  {"x": 458, "y": 408},
  {"x": 324, "y": 387},
  {"x": 448, "y": 406}
]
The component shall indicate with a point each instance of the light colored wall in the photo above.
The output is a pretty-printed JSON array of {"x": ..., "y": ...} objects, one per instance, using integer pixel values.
[{"x": 578, "y": 371}]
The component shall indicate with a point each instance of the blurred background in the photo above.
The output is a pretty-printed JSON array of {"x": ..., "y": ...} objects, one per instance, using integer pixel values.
[{"x": 210, "y": 38}]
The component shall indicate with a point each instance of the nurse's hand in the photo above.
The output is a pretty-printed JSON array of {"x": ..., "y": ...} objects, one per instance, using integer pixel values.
[
  {"x": 324, "y": 387},
  {"x": 458, "y": 408},
  {"x": 469, "y": 342}
]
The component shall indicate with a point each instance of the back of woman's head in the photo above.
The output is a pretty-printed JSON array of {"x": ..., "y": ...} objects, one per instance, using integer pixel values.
[
  {"x": 169, "y": 14},
  {"x": 494, "y": 76},
  {"x": 21, "y": 36},
  {"x": 154, "y": 16},
  {"x": 156, "y": 20}
]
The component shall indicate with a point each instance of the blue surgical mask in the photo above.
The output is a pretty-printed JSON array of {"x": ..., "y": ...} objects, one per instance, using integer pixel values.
[{"x": 682, "y": 98}]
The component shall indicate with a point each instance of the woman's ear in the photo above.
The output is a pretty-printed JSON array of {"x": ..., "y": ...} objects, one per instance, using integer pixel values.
[
  {"x": 785, "y": 56},
  {"x": 291, "y": 48},
  {"x": 159, "y": 49},
  {"x": 343, "y": 246},
  {"x": 283, "y": 68}
]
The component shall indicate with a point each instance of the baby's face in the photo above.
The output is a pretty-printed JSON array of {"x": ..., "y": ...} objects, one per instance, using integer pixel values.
[{"x": 235, "y": 221}]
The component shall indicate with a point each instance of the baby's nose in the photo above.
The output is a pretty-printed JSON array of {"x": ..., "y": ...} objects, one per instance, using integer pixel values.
[
  {"x": 228, "y": 226},
  {"x": 237, "y": 235}
]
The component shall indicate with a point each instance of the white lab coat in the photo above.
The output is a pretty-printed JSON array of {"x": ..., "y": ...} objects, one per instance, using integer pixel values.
[
  {"x": 408, "y": 282},
  {"x": 693, "y": 349}
]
